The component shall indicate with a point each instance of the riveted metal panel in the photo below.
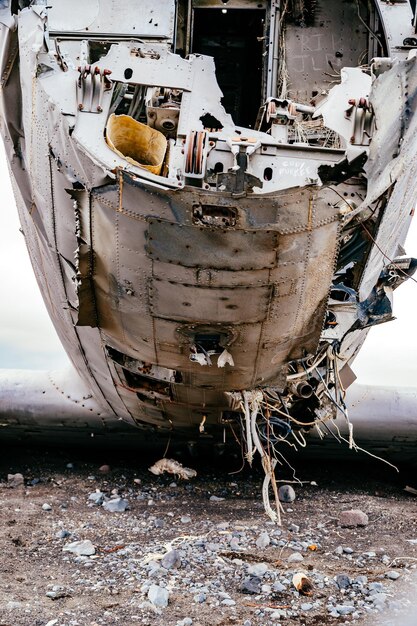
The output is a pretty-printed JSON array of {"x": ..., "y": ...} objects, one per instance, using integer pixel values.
[
  {"x": 331, "y": 37},
  {"x": 211, "y": 247},
  {"x": 203, "y": 304},
  {"x": 130, "y": 17}
]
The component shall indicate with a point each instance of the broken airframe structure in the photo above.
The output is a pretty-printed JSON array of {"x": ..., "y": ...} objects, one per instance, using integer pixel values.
[{"x": 212, "y": 267}]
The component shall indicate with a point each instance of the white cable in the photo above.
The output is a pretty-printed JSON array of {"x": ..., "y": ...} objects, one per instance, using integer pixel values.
[
  {"x": 351, "y": 441},
  {"x": 308, "y": 370},
  {"x": 268, "y": 464},
  {"x": 249, "y": 444},
  {"x": 301, "y": 443}
]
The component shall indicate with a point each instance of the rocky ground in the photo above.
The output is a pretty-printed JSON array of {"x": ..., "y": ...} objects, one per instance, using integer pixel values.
[{"x": 84, "y": 546}]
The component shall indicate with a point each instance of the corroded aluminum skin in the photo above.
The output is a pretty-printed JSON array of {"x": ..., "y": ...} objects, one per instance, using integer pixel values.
[{"x": 145, "y": 272}]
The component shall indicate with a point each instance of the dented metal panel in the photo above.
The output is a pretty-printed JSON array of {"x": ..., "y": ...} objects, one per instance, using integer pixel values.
[
  {"x": 211, "y": 248},
  {"x": 202, "y": 304}
]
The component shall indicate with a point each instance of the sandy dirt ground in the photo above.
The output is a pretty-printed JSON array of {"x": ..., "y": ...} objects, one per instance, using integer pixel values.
[{"x": 227, "y": 563}]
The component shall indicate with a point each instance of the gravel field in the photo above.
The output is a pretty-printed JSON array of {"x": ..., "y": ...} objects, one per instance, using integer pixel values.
[{"x": 87, "y": 545}]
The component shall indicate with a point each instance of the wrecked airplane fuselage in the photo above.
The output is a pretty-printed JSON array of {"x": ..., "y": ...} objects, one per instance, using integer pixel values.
[{"x": 194, "y": 267}]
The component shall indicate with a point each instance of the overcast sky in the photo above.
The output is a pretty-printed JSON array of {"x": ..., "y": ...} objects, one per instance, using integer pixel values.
[{"x": 28, "y": 340}]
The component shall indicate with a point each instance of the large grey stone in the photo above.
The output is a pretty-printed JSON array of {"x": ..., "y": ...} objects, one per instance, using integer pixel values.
[
  {"x": 257, "y": 569},
  {"x": 80, "y": 548},
  {"x": 343, "y": 581},
  {"x": 116, "y": 505},
  {"x": 97, "y": 497},
  {"x": 171, "y": 559},
  {"x": 286, "y": 493},
  {"x": 352, "y": 518},
  {"x": 15, "y": 480},
  {"x": 251, "y": 585},
  {"x": 159, "y": 596}
]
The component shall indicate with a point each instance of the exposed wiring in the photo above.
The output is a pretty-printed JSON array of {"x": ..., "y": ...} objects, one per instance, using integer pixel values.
[
  {"x": 358, "y": 448},
  {"x": 301, "y": 443},
  {"x": 167, "y": 447},
  {"x": 249, "y": 442},
  {"x": 399, "y": 269},
  {"x": 371, "y": 237},
  {"x": 308, "y": 370}
]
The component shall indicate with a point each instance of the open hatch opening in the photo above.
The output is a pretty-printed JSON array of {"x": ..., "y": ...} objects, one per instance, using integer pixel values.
[{"x": 235, "y": 39}]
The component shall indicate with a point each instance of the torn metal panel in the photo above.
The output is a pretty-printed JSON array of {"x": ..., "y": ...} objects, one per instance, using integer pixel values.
[
  {"x": 338, "y": 109},
  {"x": 391, "y": 158}
]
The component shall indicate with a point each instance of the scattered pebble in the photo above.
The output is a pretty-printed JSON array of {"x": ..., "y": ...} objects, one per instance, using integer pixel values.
[
  {"x": 344, "y": 609},
  {"x": 263, "y": 541},
  {"x": 62, "y": 534},
  {"x": 295, "y": 557}
]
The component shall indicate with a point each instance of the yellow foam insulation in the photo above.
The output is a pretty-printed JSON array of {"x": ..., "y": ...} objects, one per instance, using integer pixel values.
[{"x": 138, "y": 143}]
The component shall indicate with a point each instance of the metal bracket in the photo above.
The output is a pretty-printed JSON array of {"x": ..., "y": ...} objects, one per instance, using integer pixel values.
[
  {"x": 363, "y": 121},
  {"x": 91, "y": 84}
]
